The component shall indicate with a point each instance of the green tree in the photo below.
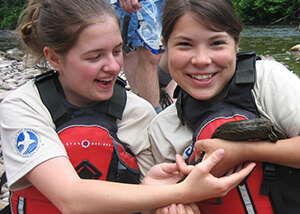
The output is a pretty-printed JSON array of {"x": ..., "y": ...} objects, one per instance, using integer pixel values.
[
  {"x": 9, "y": 12},
  {"x": 267, "y": 11}
]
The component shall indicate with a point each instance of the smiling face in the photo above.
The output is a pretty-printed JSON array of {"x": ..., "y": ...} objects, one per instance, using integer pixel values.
[
  {"x": 89, "y": 70},
  {"x": 201, "y": 61}
]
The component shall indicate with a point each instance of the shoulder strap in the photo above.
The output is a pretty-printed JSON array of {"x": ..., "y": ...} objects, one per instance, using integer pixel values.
[
  {"x": 49, "y": 95},
  {"x": 245, "y": 67},
  {"x": 118, "y": 100}
]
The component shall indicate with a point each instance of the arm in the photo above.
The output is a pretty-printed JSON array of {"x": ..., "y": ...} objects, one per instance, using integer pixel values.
[
  {"x": 74, "y": 195},
  {"x": 283, "y": 152}
]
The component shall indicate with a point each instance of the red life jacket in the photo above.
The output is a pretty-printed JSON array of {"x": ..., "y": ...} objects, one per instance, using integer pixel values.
[
  {"x": 204, "y": 117},
  {"x": 90, "y": 138}
]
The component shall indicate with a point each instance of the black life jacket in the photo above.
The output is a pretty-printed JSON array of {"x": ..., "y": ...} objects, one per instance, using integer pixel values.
[
  {"x": 90, "y": 138},
  {"x": 280, "y": 183}
]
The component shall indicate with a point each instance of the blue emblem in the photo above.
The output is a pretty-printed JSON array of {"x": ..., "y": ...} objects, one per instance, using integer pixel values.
[{"x": 27, "y": 142}]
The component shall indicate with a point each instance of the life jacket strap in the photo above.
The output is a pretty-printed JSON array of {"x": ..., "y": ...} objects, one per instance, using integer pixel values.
[{"x": 49, "y": 95}]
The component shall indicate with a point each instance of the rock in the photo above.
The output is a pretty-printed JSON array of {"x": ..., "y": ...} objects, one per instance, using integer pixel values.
[
  {"x": 267, "y": 57},
  {"x": 295, "y": 48},
  {"x": 13, "y": 72}
]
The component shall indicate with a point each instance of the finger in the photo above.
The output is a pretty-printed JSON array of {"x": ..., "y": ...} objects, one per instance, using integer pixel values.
[
  {"x": 182, "y": 209},
  {"x": 162, "y": 210},
  {"x": 194, "y": 208},
  {"x": 173, "y": 209},
  {"x": 239, "y": 167},
  {"x": 237, "y": 177},
  {"x": 199, "y": 146},
  {"x": 182, "y": 166},
  {"x": 170, "y": 167},
  {"x": 136, "y": 4},
  {"x": 127, "y": 6},
  {"x": 230, "y": 172},
  {"x": 213, "y": 159}
]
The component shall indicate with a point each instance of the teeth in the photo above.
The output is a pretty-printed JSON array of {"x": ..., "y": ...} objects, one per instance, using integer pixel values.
[
  {"x": 202, "y": 77},
  {"x": 105, "y": 80}
]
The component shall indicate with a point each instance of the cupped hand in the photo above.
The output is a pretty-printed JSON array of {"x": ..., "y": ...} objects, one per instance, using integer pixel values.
[{"x": 164, "y": 173}]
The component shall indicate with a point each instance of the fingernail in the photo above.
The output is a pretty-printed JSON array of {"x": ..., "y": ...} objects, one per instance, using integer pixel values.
[
  {"x": 173, "y": 207},
  {"x": 221, "y": 152},
  {"x": 180, "y": 207}
]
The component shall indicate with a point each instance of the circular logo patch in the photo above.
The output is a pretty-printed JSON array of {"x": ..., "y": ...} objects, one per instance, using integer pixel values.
[{"x": 27, "y": 142}]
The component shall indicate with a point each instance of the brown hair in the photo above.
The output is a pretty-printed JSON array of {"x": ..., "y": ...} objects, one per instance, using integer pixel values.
[
  {"x": 58, "y": 23},
  {"x": 216, "y": 15}
]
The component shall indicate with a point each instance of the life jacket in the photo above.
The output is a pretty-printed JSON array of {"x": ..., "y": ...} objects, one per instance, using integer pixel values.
[
  {"x": 90, "y": 138},
  {"x": 262, "y": 191}
]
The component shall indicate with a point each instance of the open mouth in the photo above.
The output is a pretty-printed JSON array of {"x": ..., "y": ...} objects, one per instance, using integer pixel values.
[
  {"x": 202, "y": 77},
  {"x": 105, "y": 81}
]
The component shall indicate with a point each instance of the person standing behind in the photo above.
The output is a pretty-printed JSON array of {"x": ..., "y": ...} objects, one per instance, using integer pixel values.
[
  {"x": 140, "y": 65},
  {"x": 68, "y": 146},
  {"x": 217, "y": 86}
]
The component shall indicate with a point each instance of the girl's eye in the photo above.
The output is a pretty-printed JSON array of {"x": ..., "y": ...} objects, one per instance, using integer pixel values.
[
  {"x": 94, "y": 57},
  {"x": 184, "y": 44},
  {"x": 218, "y": 43},
  {"x": 118, "y": 51}
]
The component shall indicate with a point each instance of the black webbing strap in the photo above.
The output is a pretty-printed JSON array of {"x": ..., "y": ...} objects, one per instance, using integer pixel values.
[
  {"x": 245, "y": 67},
  {"x": 118, "y": 100},
  {"x": 268, "y": 179},
  {"x": 269, "y": 187},
  {"x": 49, "y": 95}
]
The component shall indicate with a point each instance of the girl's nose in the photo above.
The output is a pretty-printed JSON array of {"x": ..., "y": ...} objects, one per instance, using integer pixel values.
[
  {"x": 112, "y": 64},
  {"x": 201, "y": 57}
]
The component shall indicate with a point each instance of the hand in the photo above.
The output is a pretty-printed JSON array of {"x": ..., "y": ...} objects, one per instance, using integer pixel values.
[
  {"x": 130, "y": 6},
  {"x": 179, "y": 209},
  {"x": 235, "y": 153},
  {"x": 201, "y": 185},
  {"x": 164, "y": 173}
]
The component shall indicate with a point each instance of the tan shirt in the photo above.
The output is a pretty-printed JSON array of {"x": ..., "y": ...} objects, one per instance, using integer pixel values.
[
  {"x": 277, "y": 96},
  {"x": 23, "y": 109}
]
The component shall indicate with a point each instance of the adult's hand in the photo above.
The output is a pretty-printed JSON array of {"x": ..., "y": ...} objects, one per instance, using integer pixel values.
[{"x": 130, "y": 6}]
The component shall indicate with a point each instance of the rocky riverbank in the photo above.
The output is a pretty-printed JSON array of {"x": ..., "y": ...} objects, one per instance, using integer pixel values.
[{"x": 13, "y": 72}]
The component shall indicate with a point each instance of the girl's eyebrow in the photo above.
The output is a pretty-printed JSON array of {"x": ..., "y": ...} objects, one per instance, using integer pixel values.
[
  {"x": 182, "y": 38},
  {"x": 219, "y": 35},
  {"x": 101, "y": 49}
]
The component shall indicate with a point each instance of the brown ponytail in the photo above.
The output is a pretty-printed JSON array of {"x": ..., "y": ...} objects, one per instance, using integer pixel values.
[
  {"x": 27, "y": 29},
  {"x": 58, "y": 23}
]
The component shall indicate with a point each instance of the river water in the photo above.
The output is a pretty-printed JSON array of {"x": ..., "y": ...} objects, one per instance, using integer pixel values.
[{"x": 274, "y": 41}]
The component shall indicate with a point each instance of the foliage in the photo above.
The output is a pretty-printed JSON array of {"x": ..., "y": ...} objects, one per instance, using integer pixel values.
[
  {"x": 250, "y": 11},
  {"x": 268, "y": 11},
  {"x": 9, "y": 12}
]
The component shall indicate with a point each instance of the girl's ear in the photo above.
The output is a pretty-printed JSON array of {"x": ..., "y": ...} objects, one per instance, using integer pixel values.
[{"x": 53, "y": 58}]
